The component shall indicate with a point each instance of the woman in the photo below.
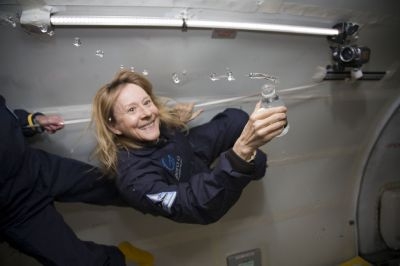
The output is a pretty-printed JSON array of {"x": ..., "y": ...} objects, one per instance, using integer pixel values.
[{"x": 164, "y": 168}]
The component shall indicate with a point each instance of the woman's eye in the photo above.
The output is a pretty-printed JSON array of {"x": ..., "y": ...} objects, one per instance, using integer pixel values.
[
  {"x": 132, "y": 109},
  {"x": 147, "y": 102}
]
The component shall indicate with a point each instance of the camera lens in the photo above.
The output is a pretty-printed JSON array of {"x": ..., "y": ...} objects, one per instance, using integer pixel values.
[{"x": 347, "y": 54}]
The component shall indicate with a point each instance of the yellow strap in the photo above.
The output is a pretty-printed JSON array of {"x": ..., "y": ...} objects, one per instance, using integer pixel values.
[
  {"x": 135, "y": 254},
  {"x": 30, "y": 120},
  {"x": 356, "y": 261}
]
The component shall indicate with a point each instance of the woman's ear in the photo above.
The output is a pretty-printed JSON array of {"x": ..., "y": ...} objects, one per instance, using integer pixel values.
[{"x": 113, "y": 129}]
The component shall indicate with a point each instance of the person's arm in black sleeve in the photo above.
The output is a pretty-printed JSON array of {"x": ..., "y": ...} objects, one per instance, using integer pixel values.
[
  {"x": 204, "y": 199},
  {"x": 25, "y": 119},
  {"x": 33, "y": 123},
  {"x": 28, "y": 122},
  {"x": 244, "y": 166}
]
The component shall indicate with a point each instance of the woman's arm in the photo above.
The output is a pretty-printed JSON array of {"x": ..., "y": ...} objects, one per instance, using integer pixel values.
[
  {"x": 33, "y": 123},
  {"x": 204, "y": 199}
]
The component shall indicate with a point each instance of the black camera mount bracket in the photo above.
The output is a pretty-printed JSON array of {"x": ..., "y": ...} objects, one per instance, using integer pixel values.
[{"x": 346, "y": 30}]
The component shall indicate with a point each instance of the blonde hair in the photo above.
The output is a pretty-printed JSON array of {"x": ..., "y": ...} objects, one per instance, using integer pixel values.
[{"x": 109, "y": 143}]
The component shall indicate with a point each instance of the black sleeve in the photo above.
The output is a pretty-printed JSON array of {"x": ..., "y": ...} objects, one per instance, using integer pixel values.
[
  {"x": 27, "y": 122},
  {"x": 238, "y": 163}
]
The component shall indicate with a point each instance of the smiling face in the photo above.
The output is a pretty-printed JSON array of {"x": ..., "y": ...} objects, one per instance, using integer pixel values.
[{"x": 135, "y": 115}]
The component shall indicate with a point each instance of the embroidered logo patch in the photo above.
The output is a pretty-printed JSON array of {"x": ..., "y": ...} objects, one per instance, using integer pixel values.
[
  {"x": 168, "y": 162},
  {"x": 173, "y": 165},
  {"x": 163, "y": 199}
]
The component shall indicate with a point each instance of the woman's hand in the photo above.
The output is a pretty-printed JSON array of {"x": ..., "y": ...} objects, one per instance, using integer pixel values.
[
  {"x": 264, "y": 124},
  {"x": 50, "y": 123},
  {"x": 185, "y": 111}
]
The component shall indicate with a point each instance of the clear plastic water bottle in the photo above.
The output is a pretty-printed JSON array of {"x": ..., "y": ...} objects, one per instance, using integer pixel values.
[{"x": 269, "y": 98}]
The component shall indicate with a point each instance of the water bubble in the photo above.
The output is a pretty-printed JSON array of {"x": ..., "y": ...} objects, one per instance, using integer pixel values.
[
  {"x": 175, "y": 78},
  {"x": 51, "y": 33},
  {"x": 213, "y": 77},
  {"x": 12, "y": 21},
  {"x": 121, "y": 67},
  {"x": 132, "y": 69},
  {"x": 43, "y": 28},
  {"x": 230, "y": 76},
  {"x": 145, "y": 72},
  {"x": 100, "y": 53},
  {"x": 77, "y": 42}
]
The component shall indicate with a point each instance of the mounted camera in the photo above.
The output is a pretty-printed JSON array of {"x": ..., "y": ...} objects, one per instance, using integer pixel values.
[
  {"x": 345, "y": 53},
  {"x": 350, "y": 56},
  {"x": 347, "y": 57}
]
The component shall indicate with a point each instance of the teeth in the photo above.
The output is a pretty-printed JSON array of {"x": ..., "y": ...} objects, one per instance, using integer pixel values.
[{"x": 148, "y": 126}]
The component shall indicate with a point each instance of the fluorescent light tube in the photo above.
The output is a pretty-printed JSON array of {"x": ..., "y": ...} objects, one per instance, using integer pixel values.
[{"x": 58, "y": 20}]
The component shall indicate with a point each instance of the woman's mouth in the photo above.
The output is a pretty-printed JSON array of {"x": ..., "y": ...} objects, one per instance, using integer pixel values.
[{"x": 147, "y": 126}]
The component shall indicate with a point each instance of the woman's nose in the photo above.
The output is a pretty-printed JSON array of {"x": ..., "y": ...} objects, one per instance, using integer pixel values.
[{"x": 145, "y": 111}]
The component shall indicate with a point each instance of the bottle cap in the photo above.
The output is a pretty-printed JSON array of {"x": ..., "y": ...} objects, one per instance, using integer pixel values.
[{"x": 268, "y": 90}]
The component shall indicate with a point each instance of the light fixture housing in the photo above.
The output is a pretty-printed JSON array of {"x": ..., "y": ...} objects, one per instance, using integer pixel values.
[
  {"x": 127, "y": 21},
  {"x": 49, "y": 16}
]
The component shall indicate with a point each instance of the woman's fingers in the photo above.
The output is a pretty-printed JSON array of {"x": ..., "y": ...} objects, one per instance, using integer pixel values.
[
  {"x": 276, "y": 117},
  {"x": 264, "y": 125},
  {"x": 273, "y": 130},
  {"x": 262, "y": 113}
]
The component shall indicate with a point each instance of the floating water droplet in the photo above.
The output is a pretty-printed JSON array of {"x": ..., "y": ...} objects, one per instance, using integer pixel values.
[
  {"x": 51, "y": 33},
  {"x": 43, "y": 28},
  {"x": 175, "y": 78},
  {"x": 145, "y": 72},
  {"x": 230, "y": 76},
  {"x": 100, "y": 53},
  {"x": 12, "y": 21},
  {"x": 213, "y": 77},
  {"x": 77, "y": 42},
  {"x": 132, "y": 69},
  {"x": 121, "y": 67}
]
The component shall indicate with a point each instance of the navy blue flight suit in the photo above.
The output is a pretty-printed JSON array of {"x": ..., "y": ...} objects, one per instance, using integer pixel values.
[
  {"x": 175, "y": 178},
  {"x": 30, "y": 181}
]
